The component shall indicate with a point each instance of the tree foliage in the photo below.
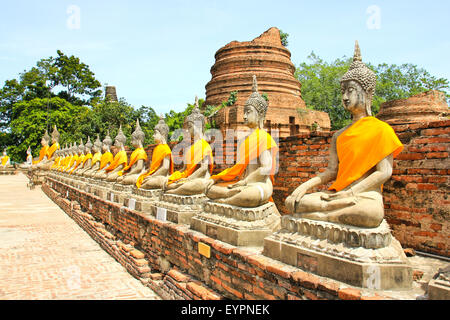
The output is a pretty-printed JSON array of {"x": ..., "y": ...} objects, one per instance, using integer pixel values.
[{"x": 321, "y": 88}]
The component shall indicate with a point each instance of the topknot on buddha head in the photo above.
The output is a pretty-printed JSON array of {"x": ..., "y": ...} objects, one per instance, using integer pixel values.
[
  {"x": 196, "y": 117},
  {"x": 360, "y": 73},
  {"x": 256, "y": 100}
]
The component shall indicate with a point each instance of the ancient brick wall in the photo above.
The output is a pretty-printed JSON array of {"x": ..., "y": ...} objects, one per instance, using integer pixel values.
[{"x": 165, "y": 256}]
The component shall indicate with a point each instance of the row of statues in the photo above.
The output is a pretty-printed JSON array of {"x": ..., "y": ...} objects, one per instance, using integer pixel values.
[
  {"x": 361, "y": 159},
  {"x": 335, "y": 233}
]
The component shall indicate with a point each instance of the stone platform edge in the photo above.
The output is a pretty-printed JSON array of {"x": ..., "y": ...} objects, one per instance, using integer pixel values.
[{"x": 165, "y": 257}]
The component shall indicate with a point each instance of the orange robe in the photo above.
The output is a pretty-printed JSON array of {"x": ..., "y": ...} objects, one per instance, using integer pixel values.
[
  {"x": 249, "y": 150},
  {"x": 159, "y": 153},
  {"x": 79, "y": 161},
  {"x": 198, "y": 151},
  {"x": 136, "y": 155},
  {"x": 5, "y": 160},
  {"x": 119, "y": 158},
  {"x": 107, "y": 157},
  {"x": 52, "y": 149},
  {"x": 56, "y": 162},
  {"x": 96, "y": 158},
  {"x": 72, "y": 160},
  {"x": 86, "y": 158},
  {"x": 361, "y": 147},
  {"x": 42, "y": 154}
]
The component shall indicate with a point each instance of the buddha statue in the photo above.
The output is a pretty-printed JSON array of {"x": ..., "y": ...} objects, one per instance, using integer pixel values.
[
  {"x": 5, "y": 160},
  {"x": 162, "y": 162},
  {"x": 120, "y": 159},
  {"x": 29, "y": 161},
  {"x": 361, "y": 159},
  {"x": 130, "y": 173},
  {"x": 96, "y": 158},
  {"x": 80, "y": 157},
  {"x": 105, "y": 160},
  {"x": 87, "y": 160},
  {"x": 43, "y": 152},
  {"x": 68, "y": 159},
  {"x": 58, "y": 159},
  {"x": 75, "y": 158},
  {"x": 249, "y": 183},
  {"x": 47, "y": 162},
  {"x": 198, "y": 166}
]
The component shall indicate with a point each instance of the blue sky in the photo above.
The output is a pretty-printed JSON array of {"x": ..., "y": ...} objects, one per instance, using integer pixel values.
[{"x": 159, "y": 53}]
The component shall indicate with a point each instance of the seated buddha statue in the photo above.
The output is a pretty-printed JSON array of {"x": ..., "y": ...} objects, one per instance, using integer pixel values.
[
  {"x": 58, "y": 159},
  {"x": 95, "y": 161},
  {"x": 162, "y": 164},
  {"x": 120, "y": 159},
  {"x": 29, "y": 161},
  {"x": 198, "y": 164},
  {"x": 5, "y": 160},
  {"x": 43, "y": 152},
  {"x": 46, "y": 163},
  {"x": 130, "y": 173},
  {"x": 68, "y": 159},
  {"x": 249, "y": 183},
  {"x": 106, "y": 159},
  {"x": 78, "y": 152},
  {"x": 361, "y": 159},
  {"x": 87, "y": 159}
]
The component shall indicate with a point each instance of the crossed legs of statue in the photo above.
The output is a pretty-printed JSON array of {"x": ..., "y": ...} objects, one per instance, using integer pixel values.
[
  {"x": 248, "y": 196},
  {"x": 187, "y": 187},
  {"x": 153, "y": 182},
  {"x": 363, "y": 209}
]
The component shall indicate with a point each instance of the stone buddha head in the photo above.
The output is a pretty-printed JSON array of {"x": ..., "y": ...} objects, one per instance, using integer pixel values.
[
  {"x": 195, "y": 122},
  {"x": 255, "y": 108},
  {"x": 161, "y": 132},
  {"x": 80, "y": 149},
  {"x": 29, "y": 150},
  {"x": 74, "y": 149},
  {"x": 55, "y": 135},
  {"x": 45, "y": 139},
  {"x": 97, "y": 147},
  {"x": 88, "y": 146},
  {"x": 4, "y": 152},
  {"x": 121, "y": 139},
  {"x": 358, "y": 86},
  {"x": 107, "y": 142},
  {"x": 138, "y": 136}
]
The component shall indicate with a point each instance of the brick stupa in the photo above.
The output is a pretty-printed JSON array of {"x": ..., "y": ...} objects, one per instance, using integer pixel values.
[
  {"x": 423, "y": 107},
  {"x": 270, "y": 61}
]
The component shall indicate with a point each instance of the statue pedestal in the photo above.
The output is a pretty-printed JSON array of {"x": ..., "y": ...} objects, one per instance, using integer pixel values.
[
  {"x": 37, "y": 177},
  {"x": 100, "y": 188},
  {"x": 365, "y": 257},
  {"x": 119, "y": 193},
  {"x": 236, "y": 225},
  {"x": 439, "y": 288},
  {"x": 142, "y": 199},
  {"x": 178, "y": 208}
]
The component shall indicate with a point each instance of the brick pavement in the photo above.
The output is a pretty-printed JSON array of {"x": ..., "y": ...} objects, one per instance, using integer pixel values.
[{"x": 44, "y": 254}]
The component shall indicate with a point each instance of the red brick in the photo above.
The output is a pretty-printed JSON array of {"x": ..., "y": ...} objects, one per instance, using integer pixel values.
[
  {"x": 137, "y": 254},
  {"x": 306, "y": 280},
  {"x": 349, "y": 294},
  {"x": 262, "y": 293},
  {"x": 178, "y": 276}
]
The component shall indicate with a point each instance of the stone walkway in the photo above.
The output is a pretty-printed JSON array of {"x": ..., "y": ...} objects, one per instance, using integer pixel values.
[{"x": 44, "y": 254}]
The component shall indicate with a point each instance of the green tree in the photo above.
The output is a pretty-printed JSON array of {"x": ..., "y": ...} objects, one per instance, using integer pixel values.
[
  {"x": 321, "y": 88},
  {"x": 284, "y": 38}
]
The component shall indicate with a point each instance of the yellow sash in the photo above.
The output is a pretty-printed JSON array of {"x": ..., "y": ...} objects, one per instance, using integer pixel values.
[
  {"x": 107, "y": 157},
  {"x": 86, "y": 158},
  {"x": 361, "y": 147},
  {"x": 251, "y": 148},
  {"x": 138, "y": 154},
  {"x": 120, "y": 158},
  {"x": 5, "y": 160},
  {"x": 74, "y": 159},
  {"x": 52, "y": 149},
  {"x": 96, "y": 158},
  {"x": 42, "y": 154},
  {"x": 159, "y": 153},
  {"x": 56, "y": 163},
  {"x": 79, "y": 161},
  {"x": 198, "y": 151}
]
